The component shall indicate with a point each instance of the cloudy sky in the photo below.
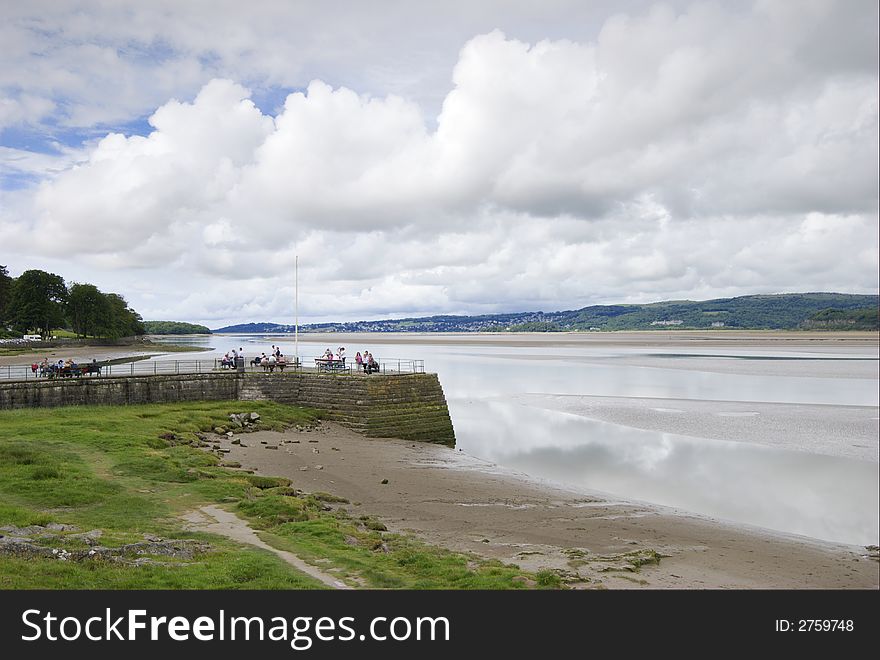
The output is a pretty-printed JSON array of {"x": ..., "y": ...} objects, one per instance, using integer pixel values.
[{"x": 438, "y": 157}]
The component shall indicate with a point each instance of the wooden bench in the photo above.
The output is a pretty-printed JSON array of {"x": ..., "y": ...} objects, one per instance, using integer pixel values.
[
  {"x": 323, "y": 364},
  {"x": 270, "y": 366},
  {"x": 74, "y": 371}
]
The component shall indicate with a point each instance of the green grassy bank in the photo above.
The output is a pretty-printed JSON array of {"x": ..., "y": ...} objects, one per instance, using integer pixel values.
[{"x": 101, "y": 480}]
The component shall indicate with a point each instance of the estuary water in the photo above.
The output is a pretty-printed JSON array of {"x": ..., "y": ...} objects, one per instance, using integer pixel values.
[{"x": 783, "y": 438}]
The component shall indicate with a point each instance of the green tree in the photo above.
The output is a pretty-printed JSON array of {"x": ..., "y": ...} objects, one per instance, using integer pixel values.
[
  {"x": 174, "y": 328},
  {"x": 124, "y": 321},
  {"x": 36, "y": 302},
  {"x": 88, "y": 310},
  {"x": 5, "y": 290}
]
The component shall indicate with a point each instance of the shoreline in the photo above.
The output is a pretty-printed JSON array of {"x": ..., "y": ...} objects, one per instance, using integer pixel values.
[
  {"x": 770, "y": 339},
  {"x": 86, "y": 353},
  {"x": 630, "y": 338},
  {"x": 462, "y": 503}
]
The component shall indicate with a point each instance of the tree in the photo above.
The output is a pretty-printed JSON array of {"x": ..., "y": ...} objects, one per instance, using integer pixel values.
[
  {"x": 88, "y": 310},
  {"x": 124, "y": 321},
  {"x": 5, "y": 291},
  {"x": 36, "y": 302}
]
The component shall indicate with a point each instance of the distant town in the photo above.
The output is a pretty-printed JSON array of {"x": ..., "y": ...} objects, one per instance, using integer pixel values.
[{"x": 829, "y": 311}]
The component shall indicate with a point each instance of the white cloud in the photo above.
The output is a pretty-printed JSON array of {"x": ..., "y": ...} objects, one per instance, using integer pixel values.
[{"x": 689, "y": 153}]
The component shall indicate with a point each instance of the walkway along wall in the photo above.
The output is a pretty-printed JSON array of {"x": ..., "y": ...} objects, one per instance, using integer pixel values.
[{"x": 409, "y": 406}]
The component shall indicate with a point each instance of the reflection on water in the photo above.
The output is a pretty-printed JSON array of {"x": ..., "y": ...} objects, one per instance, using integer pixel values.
[
  {"x": 799, "y": 492},
  {"x": 810, "y": 494}
]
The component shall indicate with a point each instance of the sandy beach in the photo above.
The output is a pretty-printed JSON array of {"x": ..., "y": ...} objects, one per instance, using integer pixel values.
[
  {"x": 460, "y": 502},
  {"x": 682, "y": 338},
  {"x": 710, "y": 339},
  {"x": 80, "y": 353}
]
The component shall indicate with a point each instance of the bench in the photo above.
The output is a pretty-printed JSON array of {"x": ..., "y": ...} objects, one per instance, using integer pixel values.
[
  {"x": 74, "y": 371},
  {"x": 323, "y": 364},
  {"x": 270, "y": 366}
]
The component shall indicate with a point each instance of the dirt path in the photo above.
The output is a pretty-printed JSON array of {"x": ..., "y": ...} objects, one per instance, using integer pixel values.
[{"x": 218, "y": 521}]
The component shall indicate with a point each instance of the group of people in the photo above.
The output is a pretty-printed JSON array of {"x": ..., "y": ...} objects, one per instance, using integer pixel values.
[
  {"x": 366, "y": 362},
  {"x": 340, "y": 354},
  {"x": 329, "y": 360},
  {"x": 68, "y": 367},
  {"x": 231, "y": 358},
  {"x": 269, "y": 362}
]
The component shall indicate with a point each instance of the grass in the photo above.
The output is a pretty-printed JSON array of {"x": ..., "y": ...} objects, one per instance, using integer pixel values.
[
  {"x": 367, "y": 554},
  {"x": 131, "y": 471},
  {"x": 7, "y": 351}
]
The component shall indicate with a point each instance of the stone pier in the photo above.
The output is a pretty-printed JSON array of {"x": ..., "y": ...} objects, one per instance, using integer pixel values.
[{"x": 408, "y": 406}]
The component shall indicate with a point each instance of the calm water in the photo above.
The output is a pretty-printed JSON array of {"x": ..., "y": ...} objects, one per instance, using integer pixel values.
[{"x": 816, "y": 495}]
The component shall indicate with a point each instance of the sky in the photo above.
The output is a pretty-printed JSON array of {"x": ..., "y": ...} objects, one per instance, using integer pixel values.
[{"x": 438, "y": 158}]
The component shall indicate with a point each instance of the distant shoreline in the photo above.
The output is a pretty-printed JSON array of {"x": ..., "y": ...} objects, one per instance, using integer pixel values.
[
  {"x": 85, "y": 351},
  {"x": 647, "y": 338},
  {"x": 693, "y": 339}
]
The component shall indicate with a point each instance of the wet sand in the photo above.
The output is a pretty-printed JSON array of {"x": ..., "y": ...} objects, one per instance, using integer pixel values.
[
  {"x": 807, "y": 342},
  {"x": 773, "y": 339},
  {"x": 448, "y": 498},
  {"x": 78, "y": 353}
]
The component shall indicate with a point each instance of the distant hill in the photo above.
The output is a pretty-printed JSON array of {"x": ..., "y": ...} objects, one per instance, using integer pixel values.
[
  {"x": 174, "y": 328},
  {"x": 787, "y": 311}
]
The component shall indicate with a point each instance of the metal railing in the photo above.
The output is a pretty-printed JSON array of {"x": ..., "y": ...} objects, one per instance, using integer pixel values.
[{"x": 176, "y": 367}]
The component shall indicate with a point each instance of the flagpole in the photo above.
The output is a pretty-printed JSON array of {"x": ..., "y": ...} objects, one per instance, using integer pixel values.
[{"x": 296, "y": 310}]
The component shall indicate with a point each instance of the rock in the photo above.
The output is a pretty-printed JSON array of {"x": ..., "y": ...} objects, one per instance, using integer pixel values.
[
  {"x": 237, "y": 441},
  {"x": 263, "y": 442},
  {"x": 303, "y": 468},
  {"x": 229, "y": 434},
  {"x": 219, "y": 430},
  {"x": 523, "y": 580},
  {"x": 384, "y": 481},
  {"x": 334, "y": 448},
  {"x": 350, "y": 540},
  {"x": 315, "y": 450},
  {"x": 271, "y": 447},
  {"x": 319, "y": 467},
  {"x": 254, "y": 416},
  {"x": 91, "y": 537}
]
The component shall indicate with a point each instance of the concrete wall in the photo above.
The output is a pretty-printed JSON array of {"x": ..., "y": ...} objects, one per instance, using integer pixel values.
[{"x": 410, "y": 406}]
